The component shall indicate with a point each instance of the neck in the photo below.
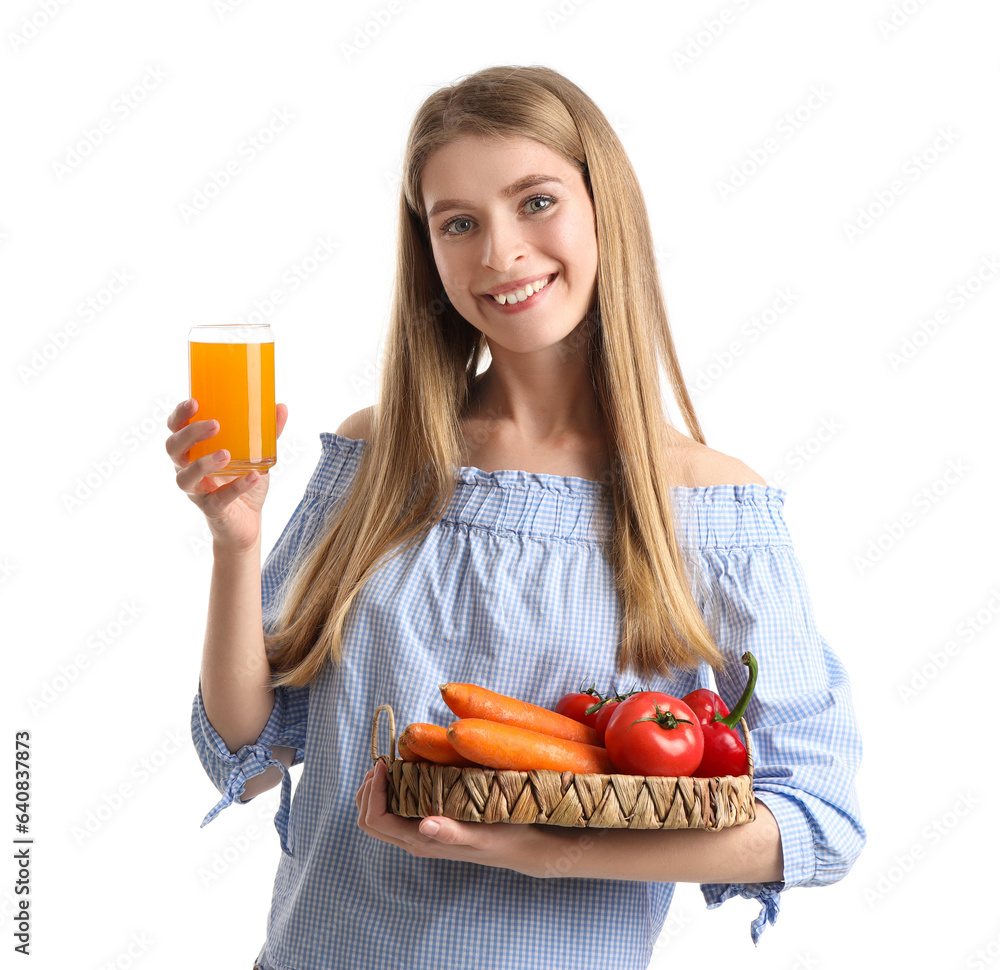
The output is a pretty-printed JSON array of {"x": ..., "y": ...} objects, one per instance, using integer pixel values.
[{"x": 538, "y": 401}]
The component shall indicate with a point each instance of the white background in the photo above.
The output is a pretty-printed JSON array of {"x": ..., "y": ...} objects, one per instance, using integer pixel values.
[{"x": 97, "y": 540}]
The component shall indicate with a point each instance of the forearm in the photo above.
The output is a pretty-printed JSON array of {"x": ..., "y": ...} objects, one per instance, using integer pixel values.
[
  {"x": 748, "y": 853},
  {"x": 235, "y": 674}
]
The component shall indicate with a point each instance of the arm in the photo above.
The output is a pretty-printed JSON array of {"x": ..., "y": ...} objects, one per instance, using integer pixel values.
[
  {"x": 261, "y": 732},
  {"x": 269, "y": 777},
  {"x": 743, "y": 852},
  {"x": 751, "y": 589},
  {"x": 748, "y": 853},
  {"x": 807, "y": 831},
  {"x": 247, "y": 735},
  {"x": 235, "y": 674},
  {"x": 806, "y": 742},
  {"x": 237, "y": 720}
]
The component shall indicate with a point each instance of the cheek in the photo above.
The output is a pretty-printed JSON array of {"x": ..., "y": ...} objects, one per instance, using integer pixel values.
[
  {"x": 451, "y": 271},
  {"x": 457, "y": 289},
  {"x": 575, "y": 243}
]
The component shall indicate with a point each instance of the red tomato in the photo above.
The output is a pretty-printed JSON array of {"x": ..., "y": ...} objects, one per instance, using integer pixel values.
[
  {"x": 603, "y": 716},
  {"x": 607, "y": 709},
  {"x": 575, "y": 706},
  {"x": 670, "y": 743}
]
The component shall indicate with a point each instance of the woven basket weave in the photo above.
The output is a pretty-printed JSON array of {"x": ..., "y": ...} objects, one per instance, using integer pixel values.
[{"x": 542, "y": 796}]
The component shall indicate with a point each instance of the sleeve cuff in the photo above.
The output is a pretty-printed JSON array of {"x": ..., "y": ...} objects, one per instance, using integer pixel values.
[
  {"x": 799, "y": 861},
  {"x": 767, "y": 894},
  {"x": 250, "y": 760},
  {"x": 798, "y": 847}
]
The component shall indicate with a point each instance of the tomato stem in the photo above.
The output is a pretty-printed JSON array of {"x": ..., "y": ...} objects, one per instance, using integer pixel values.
[
  {"x": 666, "y": 719},
  {"x": 614, "y": 696}
]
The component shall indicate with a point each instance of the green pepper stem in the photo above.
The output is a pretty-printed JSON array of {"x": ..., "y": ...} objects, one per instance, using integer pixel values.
[{"x": 741, "y": 705}]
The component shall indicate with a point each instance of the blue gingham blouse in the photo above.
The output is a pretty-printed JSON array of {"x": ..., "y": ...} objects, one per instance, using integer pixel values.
[{"x": 512, "y": 589}]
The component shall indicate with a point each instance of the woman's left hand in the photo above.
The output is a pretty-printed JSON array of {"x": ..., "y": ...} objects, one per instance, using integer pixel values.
[{"x": 507, "y": 846}]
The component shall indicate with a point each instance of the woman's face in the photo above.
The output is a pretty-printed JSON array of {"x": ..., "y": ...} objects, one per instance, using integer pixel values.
[{"x": 492, "y": 232}]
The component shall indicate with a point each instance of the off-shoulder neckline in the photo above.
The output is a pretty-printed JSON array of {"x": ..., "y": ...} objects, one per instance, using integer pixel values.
[{"x": 471, "y": 474}]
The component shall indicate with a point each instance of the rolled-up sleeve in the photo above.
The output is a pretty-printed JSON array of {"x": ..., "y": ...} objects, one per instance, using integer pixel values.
[
  {"x": 288, "y": 723},
  {"x": 803, "y": 733},
  {"x": 231, "y": 770}
]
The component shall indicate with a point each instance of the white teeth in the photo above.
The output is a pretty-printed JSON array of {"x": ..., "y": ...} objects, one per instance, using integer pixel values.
[{"x": 519, "y": 296}]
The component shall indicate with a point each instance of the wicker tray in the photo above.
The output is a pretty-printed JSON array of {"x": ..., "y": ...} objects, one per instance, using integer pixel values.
[{"x": 542, "y": 796}]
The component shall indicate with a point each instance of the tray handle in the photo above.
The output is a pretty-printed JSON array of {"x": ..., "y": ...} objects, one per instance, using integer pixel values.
[{"x": 392, "y": 729}]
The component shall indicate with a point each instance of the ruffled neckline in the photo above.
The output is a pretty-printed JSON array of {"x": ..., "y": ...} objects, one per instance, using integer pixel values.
[{"x": 512, "y": 478}]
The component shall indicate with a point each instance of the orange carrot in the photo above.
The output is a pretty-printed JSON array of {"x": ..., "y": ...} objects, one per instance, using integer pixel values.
[
  {"x": 429, "y": 742},
  {"x": 470, "y": 700},
  {"x": 406, "y": 754},
  {"x": 499, "y": 745}
]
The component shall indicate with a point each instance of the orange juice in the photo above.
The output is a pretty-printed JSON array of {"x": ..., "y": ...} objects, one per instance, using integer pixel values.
[{"x": 234, "y": 383}]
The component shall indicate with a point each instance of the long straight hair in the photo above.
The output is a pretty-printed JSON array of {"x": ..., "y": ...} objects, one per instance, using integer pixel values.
[{"x": 405, "y": 478}]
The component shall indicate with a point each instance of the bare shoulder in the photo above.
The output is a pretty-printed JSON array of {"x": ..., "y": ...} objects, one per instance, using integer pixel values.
[
  {"x": 359, "y": 424},
  {"x": 700, "y": 465}
]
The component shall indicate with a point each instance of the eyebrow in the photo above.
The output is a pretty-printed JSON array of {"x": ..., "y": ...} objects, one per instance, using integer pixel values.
[{"x": 529, "y": 181}]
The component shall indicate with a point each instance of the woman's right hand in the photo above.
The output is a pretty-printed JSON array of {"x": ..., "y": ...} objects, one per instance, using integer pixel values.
[{"x": 231, "y": 509}]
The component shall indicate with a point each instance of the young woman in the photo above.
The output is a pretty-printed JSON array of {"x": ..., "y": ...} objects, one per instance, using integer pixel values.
[{"x": 527, "y": 526}]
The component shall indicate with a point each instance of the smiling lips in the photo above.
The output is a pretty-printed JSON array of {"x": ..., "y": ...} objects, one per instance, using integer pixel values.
[{"x": 521, "y": 294}]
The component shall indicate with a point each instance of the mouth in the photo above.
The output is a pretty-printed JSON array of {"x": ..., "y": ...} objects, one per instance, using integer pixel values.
[{"x": 521, "y": 295}]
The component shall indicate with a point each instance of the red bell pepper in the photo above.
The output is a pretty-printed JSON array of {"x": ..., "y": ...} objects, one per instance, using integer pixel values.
[{"x": 725, "y": 753}]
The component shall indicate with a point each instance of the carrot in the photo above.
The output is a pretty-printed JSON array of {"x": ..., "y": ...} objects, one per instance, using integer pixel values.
[
  {"x": 429, "y": 742},
  {"x": 406, "y": 754},
  {"x": 499, "y": 745},
  {"x": 470, "y": 700}
]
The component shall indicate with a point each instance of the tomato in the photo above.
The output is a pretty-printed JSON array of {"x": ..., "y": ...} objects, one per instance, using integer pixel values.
[
  {"x": 669, "y": 743},
  {"x": 603, "y": 716},
  {"x": 575, "y": 706},
  {"x": 607, "y": 709}
]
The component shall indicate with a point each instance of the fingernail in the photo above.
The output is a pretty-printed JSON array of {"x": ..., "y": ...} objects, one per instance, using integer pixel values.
[{"x": 430, "y": 828}]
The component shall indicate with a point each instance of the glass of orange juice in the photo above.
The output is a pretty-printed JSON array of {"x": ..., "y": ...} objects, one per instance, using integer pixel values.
[{"x": 232, "y": 378}]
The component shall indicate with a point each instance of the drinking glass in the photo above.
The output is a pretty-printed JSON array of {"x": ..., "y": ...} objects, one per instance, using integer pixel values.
[{"x": 232, "y": 378}]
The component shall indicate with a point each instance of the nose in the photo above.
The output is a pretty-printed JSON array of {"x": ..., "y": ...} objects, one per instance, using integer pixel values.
[{"x": 503, "y": 245}]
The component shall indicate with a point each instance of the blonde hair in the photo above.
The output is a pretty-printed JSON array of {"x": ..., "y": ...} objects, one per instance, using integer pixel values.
[{"x": 405, "y": 477}]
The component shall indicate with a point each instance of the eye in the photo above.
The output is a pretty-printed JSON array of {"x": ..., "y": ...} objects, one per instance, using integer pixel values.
[
  {"x": 541, "y": 198},
  {"x": 454, "y": 222},
  {"x": 459, "y": 220}
]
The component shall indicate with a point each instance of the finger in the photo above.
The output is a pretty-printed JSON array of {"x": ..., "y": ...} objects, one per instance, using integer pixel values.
[
  {"x": 365, "y": 794},
  {"x": 387, "y": 825},
  {"x": 377, "y": 802},
  {"x": 365, "y": 786},
  {"x": 364, "y": 809},
  {"x": 440, "y": 828},
  {"x": 181, "y": 413},
  {"x": 378, "y": 815},
  {"x": 280, "y": 417},
  {"x": 181, "y": 442},
  {"x": 375, "y": 819},
  {"x": 214, "y": 503},
  {"x": 365, "y": 781},
  {"x": 211, "y": 464}
]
